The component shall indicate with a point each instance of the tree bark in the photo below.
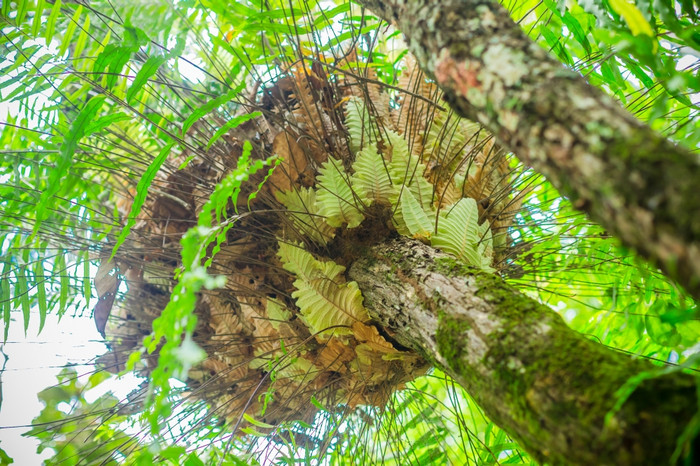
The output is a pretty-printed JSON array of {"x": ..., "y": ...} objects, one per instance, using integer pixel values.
[
  {"x": 546, "y": 385},
  {"x": 634, "y": 182}
]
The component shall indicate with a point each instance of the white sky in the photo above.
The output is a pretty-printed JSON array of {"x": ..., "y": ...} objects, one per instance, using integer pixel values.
[{"x": 32, "y": 366}]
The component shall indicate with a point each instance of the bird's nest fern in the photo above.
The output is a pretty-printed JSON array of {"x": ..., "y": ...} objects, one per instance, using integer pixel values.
[{"x": 287, "y": 333}]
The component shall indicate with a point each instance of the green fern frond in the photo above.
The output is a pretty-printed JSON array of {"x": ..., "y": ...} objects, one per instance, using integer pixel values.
[
  {"x": 406, "y": 169},
  {"x": 297, "y": 370},
  {"x": 324, "y": 304},
  {"x": 458, "y": 232},
  {"x": 371, "y": 180},
  {"x": 323, "y": 297},
  {"x": 417, "y": 221},
  {"x": 358, "y": 123},
  {"x": 445, "y": 139},
  {"x": 302, "y": 208},
  {"x": 277, "y": 313},
  {"x": 335, "y": 198},
  {"x": 297, "y": 260}
]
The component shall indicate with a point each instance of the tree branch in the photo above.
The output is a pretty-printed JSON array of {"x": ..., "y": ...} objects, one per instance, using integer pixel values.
[{"x": 546, "y": 385}]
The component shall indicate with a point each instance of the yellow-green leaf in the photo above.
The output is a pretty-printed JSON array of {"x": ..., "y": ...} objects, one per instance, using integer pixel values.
[{"x": 633, "y": 17}]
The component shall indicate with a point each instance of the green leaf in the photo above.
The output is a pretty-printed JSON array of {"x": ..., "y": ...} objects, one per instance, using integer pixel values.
[
  {"x": 40, "y": 280},
  {"x": 22, "y": 295},
  {"x": 104, "y": 121},
  {"x": 302, "y": 263},
  {"x": 662, "y": 333},
  {"x": 335, "y": 197},
  {"x": 257, "y": 423},
  {"x": 4, "y": 457},
  {"x": 371, "y": 178},
  {"x": 193, "y": 460},
  {"x": 59, "y": 267},
  {"x": 303, "y": 209},
  {"x": 141, "y": 193},
  {"x": 38, "y": 15},
  {"x": 82, "y": 38},
  {"x": 51, "y": 23},
  {"x": 147, "y": 70},
  {"x": 211, "y": 105},
  {"x": 233, "y": 123},
  {"x": 633, "y": 17},
  {"x": 324, "y": 300},
  {"x": 325, "y": 305},
  {"x": 458, "y": 232},
  {"x": 70, "y": 30},
  {"x": 358, "y": 123},
  {"x": 111, "y": 60},
  {"x": 70, "y": 143},
  {"x": 6, "y": 296},
  {"x": 21, "y": 11},
  {"x": 417, "y": 221}
]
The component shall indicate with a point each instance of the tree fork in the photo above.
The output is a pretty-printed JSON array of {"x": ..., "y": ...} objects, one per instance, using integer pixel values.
[
  {"x": 634, "y": 182},
  {"x": 543, "y": 383}
]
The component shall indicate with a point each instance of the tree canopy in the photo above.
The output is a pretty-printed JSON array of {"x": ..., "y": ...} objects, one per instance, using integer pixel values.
[{"x": 207, "y": 178}]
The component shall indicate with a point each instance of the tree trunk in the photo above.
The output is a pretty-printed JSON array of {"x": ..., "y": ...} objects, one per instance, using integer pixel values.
[
  {"x": 634, "y": 182},
  {"x": 546, "y": 385}
]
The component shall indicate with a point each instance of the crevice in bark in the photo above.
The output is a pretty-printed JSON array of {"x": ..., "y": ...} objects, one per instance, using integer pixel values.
[{"x": 549, "y": 387}]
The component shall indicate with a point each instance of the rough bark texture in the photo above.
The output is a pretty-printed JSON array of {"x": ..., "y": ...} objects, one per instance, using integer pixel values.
[
  {"x": 546, "y": 385},
  {"x": 636, "y": 183}
]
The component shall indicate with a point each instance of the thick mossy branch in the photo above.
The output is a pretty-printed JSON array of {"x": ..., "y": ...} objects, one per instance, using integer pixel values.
[
  {"x": 545, "y": 384},
  {"x": 636, "y": 183}
]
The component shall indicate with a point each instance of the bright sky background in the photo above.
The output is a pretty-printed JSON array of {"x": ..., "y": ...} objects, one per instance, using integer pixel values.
[{"x": 32, "y": 365}]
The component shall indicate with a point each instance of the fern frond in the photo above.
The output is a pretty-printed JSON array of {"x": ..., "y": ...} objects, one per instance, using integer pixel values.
[
  {"x": 358, "y": 123},
  {"x": 323, "y": 297},
  {"x": 325, "y": 304},
  {"x": 277, "y": 313},
  {"x": 302, "y": 208},
  {"x": 371, "y": 179},
  {"x": 416, "y": 219},
  {"x": 458, "y": 232},
  {"x": 444, "y": 141},
  {"x": 297, "y": 260},
  {"x": 406, "y": 169},
  {"x": 335, "y": 198}
]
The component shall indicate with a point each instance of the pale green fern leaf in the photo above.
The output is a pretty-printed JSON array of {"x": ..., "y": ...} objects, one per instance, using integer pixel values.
[
  {"x": 415, "y": 218},
  {"x": 405, "y": 169},
  {"x": 329, "y": 269},
  {"x": 371, "y": 180},
  {"x": 422, "y": 190},
  {"x": 445, "y": 140},
  {"x": 302, "y": 208},
  {"x": 403, "y": 166},
  {"x": 458, "y": 232},
  {"x": 277, "y": 313},
  {"x": 297, "y": 260},
  {"x": 324, "y": 303},
  {"x": 335, "y": 199},
  {"x": 323, "y": 297},
  {"x": 297, "y": 369},
  {"x": 358, "y": 123}
]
